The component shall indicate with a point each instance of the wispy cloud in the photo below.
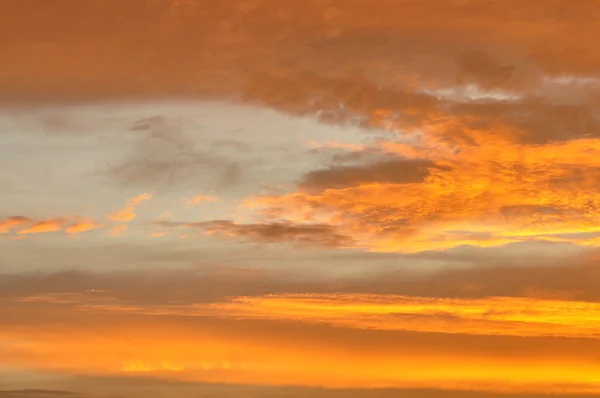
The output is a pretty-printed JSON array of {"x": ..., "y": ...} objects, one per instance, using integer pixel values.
[
  {"x": 9, "y": 223},
  {"x": 44, "y": 226},
  {"x": 493, "y": 316},
  {"x": 83, "y": 226},
  {"x": 202, "y": 198},
  {"x": 300, "y": 234},
  {"x": 128, "y": 212},
  {"x": 504, "y": 316},
  {"x": 165, "y": 156}
]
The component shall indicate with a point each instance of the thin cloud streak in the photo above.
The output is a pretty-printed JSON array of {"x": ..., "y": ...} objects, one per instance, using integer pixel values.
[
  {"x": 128, "y": 212},
  {"x": 305, "y": 234},
  {"x": 503, "y": 316}
]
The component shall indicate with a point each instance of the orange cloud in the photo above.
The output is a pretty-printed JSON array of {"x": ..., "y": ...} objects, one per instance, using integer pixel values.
[
  {"x": 10, "y": 223},
  {"x": 83, "y": 226},
  {"x": 139, "y": 366},
  {"x": 505, "y": 316},
  {"x": 128, "y": 213},
  {"x": 476, "y": 96},
  {"x": 44, "y": 226},
  {"x": 279, "y": 353},
  {"x": 485, "y": 194},
  {"x": 487, "y": 316},
  {"x": 196, "y": 200},
  {"x": 74, "y": 225}
]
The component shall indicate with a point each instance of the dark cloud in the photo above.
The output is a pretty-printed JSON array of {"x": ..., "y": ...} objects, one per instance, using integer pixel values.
[
  {"x": 352, "y": 100},
  {"x": 156, "y": 388},
  {"x": 339, "y": 61},
  {"x": 360, "y": 101},
  {"x": 479, "y": 68},
  {"x": 540, "y": 120},
  {"x": 164, "y": 156},
  {"x": 274, "y": 232},
  {"x": 399, "y": 171},
  {"x": 207, "y": 49},
  {"x": 475, "y": 273}
]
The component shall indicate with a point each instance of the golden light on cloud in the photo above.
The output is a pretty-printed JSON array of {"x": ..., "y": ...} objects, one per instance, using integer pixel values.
[
  {"x": 128, "y": 212},
  {"x": 71, "y": 225},
  {"x": 502, "y": 316},
  {"x": 139, "y": 366},
  {"x": 514, "y": 316},
  {"x": 44, "y": 226},
  {"x": 7, "y": 224},
  {"x": 485, "y": 194},
  {"x": 226, "y": 351},
  {"x": 83, "y": 226}
]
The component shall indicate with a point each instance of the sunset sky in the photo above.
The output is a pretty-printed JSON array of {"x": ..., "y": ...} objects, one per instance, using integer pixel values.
[{"x": 299, "y": 198}]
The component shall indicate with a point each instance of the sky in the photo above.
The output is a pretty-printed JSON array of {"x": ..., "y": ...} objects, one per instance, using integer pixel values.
[{"x": 299, "y": 198}]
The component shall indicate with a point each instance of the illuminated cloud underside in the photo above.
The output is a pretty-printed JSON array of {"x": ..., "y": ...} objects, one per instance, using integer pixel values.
[
  {"x": 509, "y": 316},
  {"x": 227, "y": 351}
]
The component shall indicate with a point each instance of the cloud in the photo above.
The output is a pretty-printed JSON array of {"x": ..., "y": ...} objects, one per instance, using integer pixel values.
[
  {"x": 493, "y": 315},
  {"x": 201, "y": 198},
  {"x": 164, "y": 156},
  {"x": 44, "y": 226},
  {"x": 476, "y": 194},
  {"x": 481, "y": 131},
  {"x": 128, "y": 213},
  {"x": 476, "y": 67},
  {"x": 9, "y": 223},
  {"x": 399, "y": 171},
  {"x": 158, "y": 388},
  {"x": 483, "y": 295},
  {"x": 387, "y": 319},
  {"x": 360, "y": 101},
  {"x": 276, "y": 352},
  {"x": 300, "y": 234},
  {"x": 467, "y": 273},
  {"x": 473, "y": 99},
  {"x": 336, "y": 37},
  {"x": 503, "y": 316},
  {"x": 29, "y": 226},
  {"x": 80, "y": 227}
]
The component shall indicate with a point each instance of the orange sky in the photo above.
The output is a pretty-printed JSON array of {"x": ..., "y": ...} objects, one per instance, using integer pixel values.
[{"x": 299, "y": 198}]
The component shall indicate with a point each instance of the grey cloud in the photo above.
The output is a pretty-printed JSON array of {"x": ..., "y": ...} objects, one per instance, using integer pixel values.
[
  {"x": 164, "y": 156},
  {"x": 479, "y": 68},
  {"x": 399, "y": 171},
  {"x": 156, "y": 388},
  {"x": 474, "y": 273},
  {"x": 273, "y": 232}
]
